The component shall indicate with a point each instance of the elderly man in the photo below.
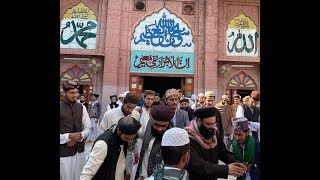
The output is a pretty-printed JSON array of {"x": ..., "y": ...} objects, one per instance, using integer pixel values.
[
  {"x": 112, "y": 116},
  {"x": 246, "y": 149},
  {"x": 181, "y": 118},
  {"x": 210, "y": 102},
  {"x": 150, "y": 155},
  {"x": 74, "y": 128},
  {"x": 207, "y": 147},
  {"x": 107, "y": 157},
  {"x": 175, "y": 152},
  {"x": 200, "y": 102},
  {"x": 226, "y": 114}
]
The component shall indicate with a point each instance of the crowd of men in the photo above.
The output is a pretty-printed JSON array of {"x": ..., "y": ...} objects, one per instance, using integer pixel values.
[{"x": 148, "y": 137}]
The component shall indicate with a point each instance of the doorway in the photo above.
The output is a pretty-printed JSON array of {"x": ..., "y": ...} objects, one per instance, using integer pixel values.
[
  {"x": 161, "y": 84},
  {"x": 243, "y": 93},
  {"x": 84, "y": 89}
]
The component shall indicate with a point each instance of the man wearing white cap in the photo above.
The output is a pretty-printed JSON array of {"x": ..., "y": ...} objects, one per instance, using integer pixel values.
[
  {"x": 200, "y": 101},
  {"x": 175, "y": 151},
  {"x": 226, "y": 114},
  {"x": 120, "y": 100}
]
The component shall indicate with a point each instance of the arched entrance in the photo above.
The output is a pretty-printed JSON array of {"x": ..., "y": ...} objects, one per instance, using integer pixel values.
[
  {"x": 81, "y": 76},
  {"x": 242, "y": 84},
  {"x": 158, "y": 60}
]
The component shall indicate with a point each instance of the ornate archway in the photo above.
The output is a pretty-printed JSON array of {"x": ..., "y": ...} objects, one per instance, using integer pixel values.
[
  {"x": 82, "y": 77},
  {"x": 240, "y": 83},
  {"x": 77, "y": 74}
]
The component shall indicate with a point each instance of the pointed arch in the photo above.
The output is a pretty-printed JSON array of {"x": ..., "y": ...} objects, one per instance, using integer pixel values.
[
  {"x": 241, "y": 81},
  {"x": 77, "y": 74}
]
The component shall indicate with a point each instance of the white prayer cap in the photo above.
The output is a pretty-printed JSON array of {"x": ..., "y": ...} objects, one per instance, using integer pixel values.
[
  {"x": 224, "y": 97},
  {"x": 175, "y": 137},
  {"x": 125, "y": 93}
]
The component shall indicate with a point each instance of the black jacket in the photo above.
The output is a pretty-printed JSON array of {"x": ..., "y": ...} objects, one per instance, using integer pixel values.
[{"x": 203, "y": 163}]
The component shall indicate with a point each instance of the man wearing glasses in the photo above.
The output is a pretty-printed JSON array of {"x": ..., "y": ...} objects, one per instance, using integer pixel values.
[
  {"x": 74, "y": 128},
  {"x": 207, "y": 147}
]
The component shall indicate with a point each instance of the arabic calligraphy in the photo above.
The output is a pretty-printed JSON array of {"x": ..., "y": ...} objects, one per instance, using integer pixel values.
[
  {"x": 79, "y": 32},
  {"x": 164, "y": 33},
  {"x": 81, "y": 13},
  {"x": 247, "y": 47},
  {"x": 241, "y": 23},
  {"x": 152, "y": 62}
]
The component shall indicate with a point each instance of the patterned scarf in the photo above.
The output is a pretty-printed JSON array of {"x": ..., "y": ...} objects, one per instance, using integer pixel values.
[
  {"x": 160, "y": 173},
  {"x": 155, "y": 154},
  {"x": 248, "y": 151},
  {"x": 195, "y": 134}
]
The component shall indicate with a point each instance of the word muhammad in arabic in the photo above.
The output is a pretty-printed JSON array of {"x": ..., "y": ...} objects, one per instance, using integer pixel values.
[
  {"x": 78, "y": 28},
  {"x": 79, "y": 31}
]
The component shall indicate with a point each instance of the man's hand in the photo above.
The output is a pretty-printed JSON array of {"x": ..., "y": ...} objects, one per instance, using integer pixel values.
[
  {"x": 71, "y": 143},
  {"x": 248, "y": 166},
  {"x": 76, "y": 136},
  {"x": 236, "y": 169}
]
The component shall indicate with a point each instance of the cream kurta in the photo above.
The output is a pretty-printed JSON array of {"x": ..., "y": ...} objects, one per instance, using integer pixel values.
[
  {"x": 112, "y": 117},
  {"x": 144, "y": 119}
]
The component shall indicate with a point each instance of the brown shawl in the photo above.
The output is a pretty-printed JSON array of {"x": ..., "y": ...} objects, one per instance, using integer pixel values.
[
  {"x": 194, "y": 133},
  {"x": 226, "y": 114}
]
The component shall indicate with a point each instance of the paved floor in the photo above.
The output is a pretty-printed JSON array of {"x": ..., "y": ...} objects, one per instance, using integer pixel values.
[
  {"x": 89, "y": 146},
  {"x": 87, "y": 149}
]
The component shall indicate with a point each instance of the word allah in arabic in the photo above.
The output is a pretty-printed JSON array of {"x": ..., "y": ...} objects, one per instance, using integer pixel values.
[{"x": 242, "y": 37}]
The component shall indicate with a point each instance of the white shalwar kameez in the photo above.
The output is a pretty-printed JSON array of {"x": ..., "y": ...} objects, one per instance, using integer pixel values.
[{"x": 71, "y": 166}]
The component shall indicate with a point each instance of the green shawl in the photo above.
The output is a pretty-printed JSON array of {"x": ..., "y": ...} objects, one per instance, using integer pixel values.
[{"x": 248, "y": 153}]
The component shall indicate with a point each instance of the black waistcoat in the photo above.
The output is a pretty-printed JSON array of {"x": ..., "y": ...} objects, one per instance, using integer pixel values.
[
  {"x": 70, "y": 122},
  {"x": 107, "y": 169}
]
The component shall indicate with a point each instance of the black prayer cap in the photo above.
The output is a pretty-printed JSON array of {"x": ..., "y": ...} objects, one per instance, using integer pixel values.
[
  {"x": 161, "y": 113},
  {"x": 95, "y": 95},
  {"x": 242, "y": 124},
  {"x": 184, "y": 100},
  {"x": 113, "y": 96},
  {"x": 70, "y": 84},
  {"x": 129, "y": 125},
  {"x": 205, "y": 112}
]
